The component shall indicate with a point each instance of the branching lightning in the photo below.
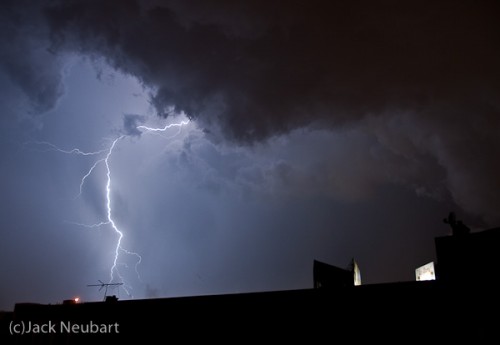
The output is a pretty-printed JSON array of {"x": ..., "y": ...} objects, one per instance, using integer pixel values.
[
  {"x": 114, "y": 274},
  {"x": 52, "y": 147},
  {"x": 87, "y": 175}
]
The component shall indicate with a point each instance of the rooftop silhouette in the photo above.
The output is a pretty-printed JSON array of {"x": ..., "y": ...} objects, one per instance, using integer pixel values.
[{"x": 455, "y": 307}]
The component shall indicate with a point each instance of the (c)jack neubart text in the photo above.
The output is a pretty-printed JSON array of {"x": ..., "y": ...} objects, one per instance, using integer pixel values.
[{"x": 63, "y": 327}]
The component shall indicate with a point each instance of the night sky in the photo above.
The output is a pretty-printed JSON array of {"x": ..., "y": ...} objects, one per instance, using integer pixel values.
[{"x": 319, "y": 130}]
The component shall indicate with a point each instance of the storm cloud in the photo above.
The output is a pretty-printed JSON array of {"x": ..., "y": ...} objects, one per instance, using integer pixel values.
[
  {"x": 261, "y": 68},
  {"x": 25, "y": 57},
  {"x": 425, "y": 73}
]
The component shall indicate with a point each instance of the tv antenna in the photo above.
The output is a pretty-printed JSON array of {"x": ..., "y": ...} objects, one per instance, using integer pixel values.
[{"x": 105, "y": 286}]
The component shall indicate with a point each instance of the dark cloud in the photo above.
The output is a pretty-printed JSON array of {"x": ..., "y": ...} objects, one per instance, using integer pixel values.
[
  {"x": 451, "y": 155},
  {"x": 251, "y": 70},
  {"x": 259, "y": 68},
  {"x": 130, "y": 123},
  {"x": 25, "y": 57}
]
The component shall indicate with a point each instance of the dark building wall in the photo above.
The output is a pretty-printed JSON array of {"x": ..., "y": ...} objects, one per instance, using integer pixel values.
[
  {"x": 469, "y": 259},
  {"x": 402, "y": 312},
  {"x": 328, "y": 276}
]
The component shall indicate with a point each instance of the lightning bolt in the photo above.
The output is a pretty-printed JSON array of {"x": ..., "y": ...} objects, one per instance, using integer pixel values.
[
  {"x": 110, "y": 218},
  {"x": 51, "y": 147},
  {"x": 114, "y": 271},
  {"x": 180, "y": 124}
]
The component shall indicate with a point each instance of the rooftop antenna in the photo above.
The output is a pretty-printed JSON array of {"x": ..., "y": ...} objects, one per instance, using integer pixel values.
[{"x": 105, "y": 286}]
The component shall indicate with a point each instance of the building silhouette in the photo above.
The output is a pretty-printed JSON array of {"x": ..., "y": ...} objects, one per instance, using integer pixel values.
[
  {"x": 458, "y": 306},
  {"x": 470, "y": 259}
]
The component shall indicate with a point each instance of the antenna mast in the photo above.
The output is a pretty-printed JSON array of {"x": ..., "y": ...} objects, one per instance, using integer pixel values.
[{"x": 105, "y": 286}]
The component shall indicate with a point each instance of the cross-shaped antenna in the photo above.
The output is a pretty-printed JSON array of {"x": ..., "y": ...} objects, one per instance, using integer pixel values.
[{"x": 105, "y": 286}]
